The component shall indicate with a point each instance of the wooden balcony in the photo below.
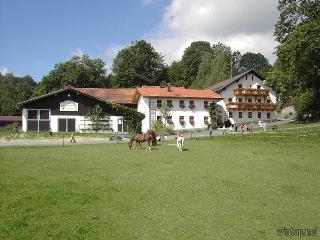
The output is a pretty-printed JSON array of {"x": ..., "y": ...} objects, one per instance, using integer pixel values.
[
  {"x": 250, "y": 92},
  {"x": 251, "y": 106}
]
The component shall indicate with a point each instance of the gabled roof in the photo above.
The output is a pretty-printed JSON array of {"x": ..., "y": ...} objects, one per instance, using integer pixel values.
[
  {"x": 116, "y": 95},
  {"x": 221, "y": 85},
  {"x": 177, "y": 92}
]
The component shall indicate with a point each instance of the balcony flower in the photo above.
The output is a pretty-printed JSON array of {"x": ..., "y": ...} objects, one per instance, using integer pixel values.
[{"x": 191, "y": 106}]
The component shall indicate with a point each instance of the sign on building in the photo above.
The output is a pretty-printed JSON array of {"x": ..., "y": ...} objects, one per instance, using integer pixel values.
[{"x": 68, "y": 106}]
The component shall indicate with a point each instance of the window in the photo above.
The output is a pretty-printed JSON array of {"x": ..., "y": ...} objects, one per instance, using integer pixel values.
[
  {"x": 230, "y": 115},
  {"x": 239, "y": 99},
  {"x": 229, "y": 99},
  {"x": 249, "y": 114},
  {"x": 159, "y": 119},
  {"x": 38, "y": 120},
  {"x": 258, "y": 86},
  {"x": 240, "y": 114},
  {"x": 206, "y": 120},
  {"x": 259, "y": 114},
  {"x": 239, "y": 85},
  {"x": 252, "y": 77},
  {"x": 268, "y": 100},
  {"x": 169, "y": 103},
  {"x": 205, "y": 104},
  {"x": 259, "y": 100},
  {"x": 159, "y": 103},
  {"x": 249, "y": 100},
  {"x": 181, "y": 103},
  {"x": 268, "y": 115},
  {"x": 191, "y": 120},
  {"x": 181, "y": 120},
  {"x": 249, "y": 86},
  {"x": 191, "y": 104},
  {"x": 169, "y": 120},
  {"x": 246, "y": 77}
]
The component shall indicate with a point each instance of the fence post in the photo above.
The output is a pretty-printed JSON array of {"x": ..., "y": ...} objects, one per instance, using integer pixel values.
[{"x": 63, "y": 140}]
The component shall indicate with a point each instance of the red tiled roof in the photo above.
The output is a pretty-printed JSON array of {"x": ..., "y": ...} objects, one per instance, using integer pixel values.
[
  {"x": 10, "y": 119},
  {"x": 181, "y": 92},
  {"x": 117, "y": 95}
]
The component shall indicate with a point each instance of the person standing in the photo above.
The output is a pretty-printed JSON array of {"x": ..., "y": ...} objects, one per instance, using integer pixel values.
[
  {"x": 236, "y": 127},
  {"x": 210, "y": 131}
]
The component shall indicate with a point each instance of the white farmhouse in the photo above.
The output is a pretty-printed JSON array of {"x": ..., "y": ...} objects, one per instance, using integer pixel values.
[
  {"x": 246, "y": 98},
  {"x": 188, "y": 107}
]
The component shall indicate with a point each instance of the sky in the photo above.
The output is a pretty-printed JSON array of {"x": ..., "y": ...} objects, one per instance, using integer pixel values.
[{"x": 37, "y": 34}]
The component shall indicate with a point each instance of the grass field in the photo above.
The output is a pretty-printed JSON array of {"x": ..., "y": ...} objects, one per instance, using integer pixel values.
[{"x": 228, "y": 187}]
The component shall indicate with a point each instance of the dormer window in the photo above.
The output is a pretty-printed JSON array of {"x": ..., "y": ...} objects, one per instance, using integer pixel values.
[{"x": 258, "y": 86}]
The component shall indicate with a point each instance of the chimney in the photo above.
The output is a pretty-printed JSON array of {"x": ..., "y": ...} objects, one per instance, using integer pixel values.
[{"x": 169, "y": 87}]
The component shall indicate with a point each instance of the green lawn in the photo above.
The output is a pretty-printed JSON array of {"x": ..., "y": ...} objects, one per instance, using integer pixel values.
[{"x": 228, "y": 187}]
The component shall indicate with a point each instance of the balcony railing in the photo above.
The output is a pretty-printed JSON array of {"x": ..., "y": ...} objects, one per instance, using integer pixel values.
[
  {"x": 250, "y": 92},
  {"x": 251, "y": 106}
]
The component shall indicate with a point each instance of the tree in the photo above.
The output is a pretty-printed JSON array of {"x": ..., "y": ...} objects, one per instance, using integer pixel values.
[
  {"x": 204, "y": 73},
  {"x": 164, "y": 111},
  {"x": 78, "y": 72},
  {"x": 213, "y": 114},
  {"x": 292, "y": 14},
  {"x": 191, "y": 60},
  {"x": 220, "y": 68},
  {"x": 14, "y": 90},
  {"x": 98, "y": 119},
  {"x": 139, "y": 64},
  {"x": 176, "y": 74},
  {"x": 296, "y": 72},
  {"x": 255, "y": 61}
]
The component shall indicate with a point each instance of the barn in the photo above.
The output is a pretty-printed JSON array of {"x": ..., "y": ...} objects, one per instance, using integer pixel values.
[{"x": 67, "y": 110}]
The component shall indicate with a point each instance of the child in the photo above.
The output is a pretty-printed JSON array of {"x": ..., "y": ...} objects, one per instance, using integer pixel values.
[{"x": 72, "y": 140}]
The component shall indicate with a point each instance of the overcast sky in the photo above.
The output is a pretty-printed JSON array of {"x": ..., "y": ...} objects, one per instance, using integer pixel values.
[{"x": 36, "y": 34}]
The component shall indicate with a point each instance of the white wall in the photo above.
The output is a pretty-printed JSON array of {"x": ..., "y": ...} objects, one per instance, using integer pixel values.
[
  {"x": 199, "y": 112},
  {"x": 24, "y": 120},
  {"x": 229, "y": 93},
  {"x": 79, "y": 121}
]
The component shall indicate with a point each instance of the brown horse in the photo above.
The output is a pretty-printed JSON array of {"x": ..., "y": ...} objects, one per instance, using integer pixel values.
[
  {"x": 153, "y": 134},
  {"x": 139, "y": 138}
]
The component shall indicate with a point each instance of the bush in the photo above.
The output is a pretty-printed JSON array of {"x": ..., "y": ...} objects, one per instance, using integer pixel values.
[
  {"x": 161, "y": 129},
  {"x": 304, "y": 104},
  {"x": 13, "y": 128}
]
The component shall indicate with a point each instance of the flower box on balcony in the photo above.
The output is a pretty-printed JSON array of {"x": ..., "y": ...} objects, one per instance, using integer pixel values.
[
  {"x": 206, "y": 107},
  {"x": 192, "y": 122},
  {"x": 182, "y": 106},
  {"x": 170, "y": 106},
  {"x": 182, "y": 122},
  {"x": 192, "y": 106}
]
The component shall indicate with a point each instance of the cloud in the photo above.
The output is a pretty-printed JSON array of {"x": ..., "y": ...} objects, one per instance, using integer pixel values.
[
  {"x": 110, "y": 53},
  {"x": 4, "y": 71},
  {"x": 79, "y": 52},
  {"x": 245, "y": 25}
]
